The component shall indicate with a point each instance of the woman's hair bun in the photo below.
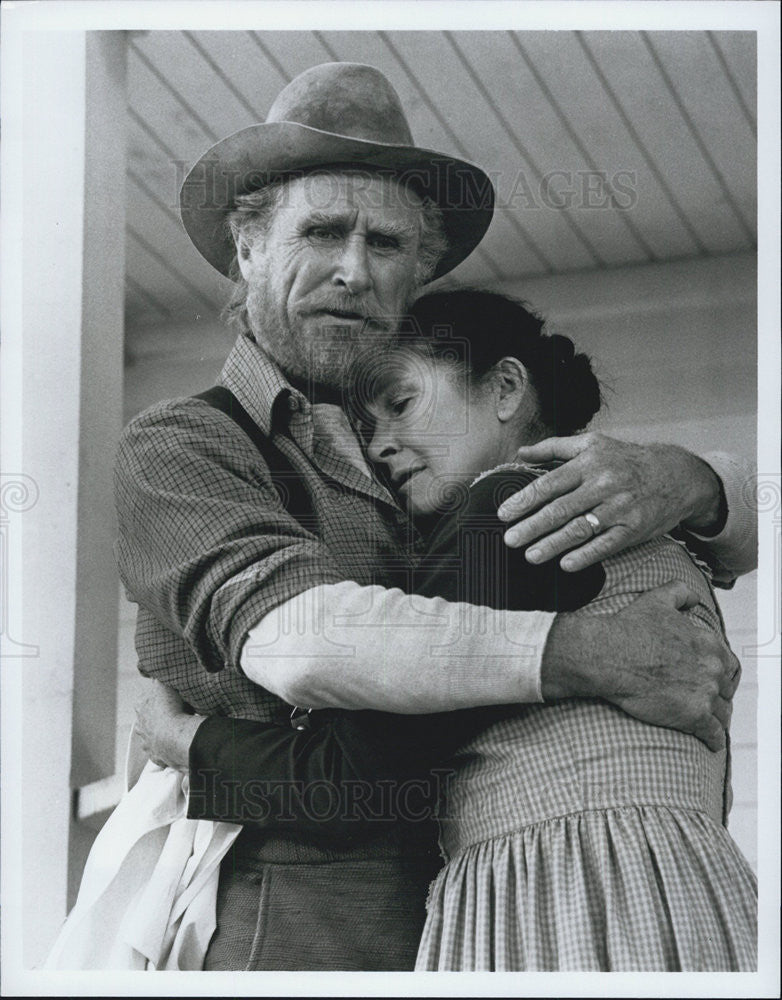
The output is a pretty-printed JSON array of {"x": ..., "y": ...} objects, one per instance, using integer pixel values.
[
  {"x": 567, "y": 387},
  {"x": 562, "y": 348}
]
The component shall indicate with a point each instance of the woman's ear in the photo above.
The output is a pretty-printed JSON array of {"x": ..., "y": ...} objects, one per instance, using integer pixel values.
[{"x": 511, "y": 382}]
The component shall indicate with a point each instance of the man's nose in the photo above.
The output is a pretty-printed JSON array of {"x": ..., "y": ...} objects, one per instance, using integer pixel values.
[{"x": 353, "y": 270}]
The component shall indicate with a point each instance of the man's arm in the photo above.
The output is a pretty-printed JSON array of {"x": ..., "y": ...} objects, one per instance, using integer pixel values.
[
  {"x": 204, "y": 543},
  {"x": 731, "y": 548},
  {"x": 207, "y": 547},
  {"x": 636, "y": 492},
  {"x": 357, "y": 647}
]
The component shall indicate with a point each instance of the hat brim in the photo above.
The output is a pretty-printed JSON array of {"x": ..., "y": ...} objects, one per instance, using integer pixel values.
[{"x": 250, "y": 158}]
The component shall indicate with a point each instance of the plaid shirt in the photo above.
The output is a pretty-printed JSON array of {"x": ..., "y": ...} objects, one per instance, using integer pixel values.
[{"x": 206, "y": 545}]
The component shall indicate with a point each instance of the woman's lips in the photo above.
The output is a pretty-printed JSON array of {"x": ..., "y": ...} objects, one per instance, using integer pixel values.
[{"x": 405, "y": 477}]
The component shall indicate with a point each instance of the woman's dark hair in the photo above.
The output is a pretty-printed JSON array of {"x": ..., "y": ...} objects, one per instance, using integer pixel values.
[{"x": 473, "y": 329}]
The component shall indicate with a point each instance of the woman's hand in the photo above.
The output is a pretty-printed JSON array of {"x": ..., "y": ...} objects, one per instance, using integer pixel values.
[
  {"x": 165, "y": 727},
  {"x": 629, "y": 492}
]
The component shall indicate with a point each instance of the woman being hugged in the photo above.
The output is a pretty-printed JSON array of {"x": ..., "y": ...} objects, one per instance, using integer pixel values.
[{"x": 576, "y": 837}]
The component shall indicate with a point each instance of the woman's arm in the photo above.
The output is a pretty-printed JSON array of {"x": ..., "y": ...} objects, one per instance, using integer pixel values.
[{"x": 338, "y": 776}]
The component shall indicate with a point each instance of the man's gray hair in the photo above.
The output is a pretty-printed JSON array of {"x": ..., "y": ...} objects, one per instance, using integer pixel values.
[{"x": 252, "y": 215}]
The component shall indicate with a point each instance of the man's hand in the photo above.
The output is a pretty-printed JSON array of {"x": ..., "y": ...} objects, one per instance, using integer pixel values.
[
  {"x": 165, "y": 727},
  {"x": 649, "y": 660},
  {"x": 634, "y": 491}
]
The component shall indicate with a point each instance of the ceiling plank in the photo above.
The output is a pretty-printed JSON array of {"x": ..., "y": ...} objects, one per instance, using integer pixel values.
[
  {"x": 569, "y": 127},
  {"x": 682, "y": 59},
  {"x": 165, "y": 113},
  {"x": 247, "y": 68},
  {"x": 627, "y": 65},
  {"x": 291, "y": 51},
  {"x": 474, "y": 129},
  {"x": 162, "y": 261},
  {"x": 159, "y": 227},
  {"x": 568, "y": 172},
  {"x": 165, "y": 68},
  {"x": 737, "y": 51},
  {"x": 608, "y": 137}
]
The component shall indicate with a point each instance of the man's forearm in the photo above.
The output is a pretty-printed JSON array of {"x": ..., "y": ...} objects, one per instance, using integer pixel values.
[{"x": 346, "y": 646}]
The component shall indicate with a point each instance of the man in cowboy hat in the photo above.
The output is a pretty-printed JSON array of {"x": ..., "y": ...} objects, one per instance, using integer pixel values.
[{"x": 248, "y": 515}]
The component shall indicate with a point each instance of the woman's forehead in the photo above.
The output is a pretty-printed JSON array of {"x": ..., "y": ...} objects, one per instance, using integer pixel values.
[{"x": 408, "y": 372}]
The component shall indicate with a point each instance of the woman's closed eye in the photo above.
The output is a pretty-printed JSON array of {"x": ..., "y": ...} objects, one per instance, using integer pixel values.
[{"x": 398, "y": 406}]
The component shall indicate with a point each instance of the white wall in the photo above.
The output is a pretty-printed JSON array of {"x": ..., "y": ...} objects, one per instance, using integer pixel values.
[{"x": 676, "y": 343}]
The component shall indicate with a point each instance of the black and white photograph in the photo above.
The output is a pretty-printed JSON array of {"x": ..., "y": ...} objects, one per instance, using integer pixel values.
[{"x": 391, "y": 502}]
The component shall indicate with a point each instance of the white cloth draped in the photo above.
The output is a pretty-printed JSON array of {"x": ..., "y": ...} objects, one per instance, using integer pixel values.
[{"x": 147, "y": 899}]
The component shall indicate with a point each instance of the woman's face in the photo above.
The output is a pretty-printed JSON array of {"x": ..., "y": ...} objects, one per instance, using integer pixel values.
[{"x": 432, "y": 432}]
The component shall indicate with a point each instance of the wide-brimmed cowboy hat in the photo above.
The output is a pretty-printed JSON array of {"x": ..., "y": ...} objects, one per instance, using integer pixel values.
[{"x": 340, "y": 115}]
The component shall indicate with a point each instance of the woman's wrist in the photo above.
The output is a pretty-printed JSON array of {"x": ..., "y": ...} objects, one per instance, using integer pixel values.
[{"x": 173, "y": 747}]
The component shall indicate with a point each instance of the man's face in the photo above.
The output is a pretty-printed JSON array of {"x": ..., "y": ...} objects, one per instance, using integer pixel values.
[{"x": 334, "y": 271}]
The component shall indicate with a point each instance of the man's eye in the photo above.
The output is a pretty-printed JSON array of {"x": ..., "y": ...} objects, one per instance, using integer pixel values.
[
  {"x": 382, "y": 242},
  {"x": 322, "y": 233}
]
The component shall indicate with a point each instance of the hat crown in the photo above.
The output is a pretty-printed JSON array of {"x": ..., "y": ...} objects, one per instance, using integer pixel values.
[{"x": 348, "y": 99}]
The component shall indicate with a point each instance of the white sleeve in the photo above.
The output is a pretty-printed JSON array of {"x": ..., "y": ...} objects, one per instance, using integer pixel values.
[
  {"x": 735, "y": 549},
  {"x": 347, "y": 646}
]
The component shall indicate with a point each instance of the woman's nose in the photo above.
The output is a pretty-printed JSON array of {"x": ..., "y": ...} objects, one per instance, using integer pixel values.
[
  {"x": 353, "y": 270},
  {"x": 382, "y": 446}
]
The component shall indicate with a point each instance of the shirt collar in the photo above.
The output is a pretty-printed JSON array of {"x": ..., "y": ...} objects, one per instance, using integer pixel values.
[
  {"x": 266, "y": 395},
  {"x": 258, "y": 383}
]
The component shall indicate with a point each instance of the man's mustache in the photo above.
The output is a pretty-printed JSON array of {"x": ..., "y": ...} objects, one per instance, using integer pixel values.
[{"x": 348, "y": 305}]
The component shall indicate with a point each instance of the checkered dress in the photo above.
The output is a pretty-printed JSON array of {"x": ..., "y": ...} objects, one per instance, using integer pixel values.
[{"x": 578, "y": 838}]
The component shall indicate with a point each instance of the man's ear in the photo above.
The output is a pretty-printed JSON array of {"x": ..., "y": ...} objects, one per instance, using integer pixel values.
[
  {"x": 511, "y": 382},
  {"x": 243, "y": 249}
]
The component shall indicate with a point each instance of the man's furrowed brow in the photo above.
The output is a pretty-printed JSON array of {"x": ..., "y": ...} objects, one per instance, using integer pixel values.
[
  {"x": 378, "y": 227},
  {"x": 319, "y": 218},
  {"x": 391, "y": 227}
]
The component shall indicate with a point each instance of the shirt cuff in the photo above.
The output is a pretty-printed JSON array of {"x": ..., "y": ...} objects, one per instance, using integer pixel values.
[
  {"x": 532, "y": 636},
  {"x": 735, "y": 549}
]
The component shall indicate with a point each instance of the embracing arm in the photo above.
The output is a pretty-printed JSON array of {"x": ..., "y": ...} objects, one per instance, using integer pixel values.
[
  {"x": 636, "y": 492},
  {"x": 206, "y": 546},
  {"x": 332, "y": 775}
]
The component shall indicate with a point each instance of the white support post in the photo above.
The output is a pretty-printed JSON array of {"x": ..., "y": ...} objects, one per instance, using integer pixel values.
[{"x": 73, "y": 274}]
